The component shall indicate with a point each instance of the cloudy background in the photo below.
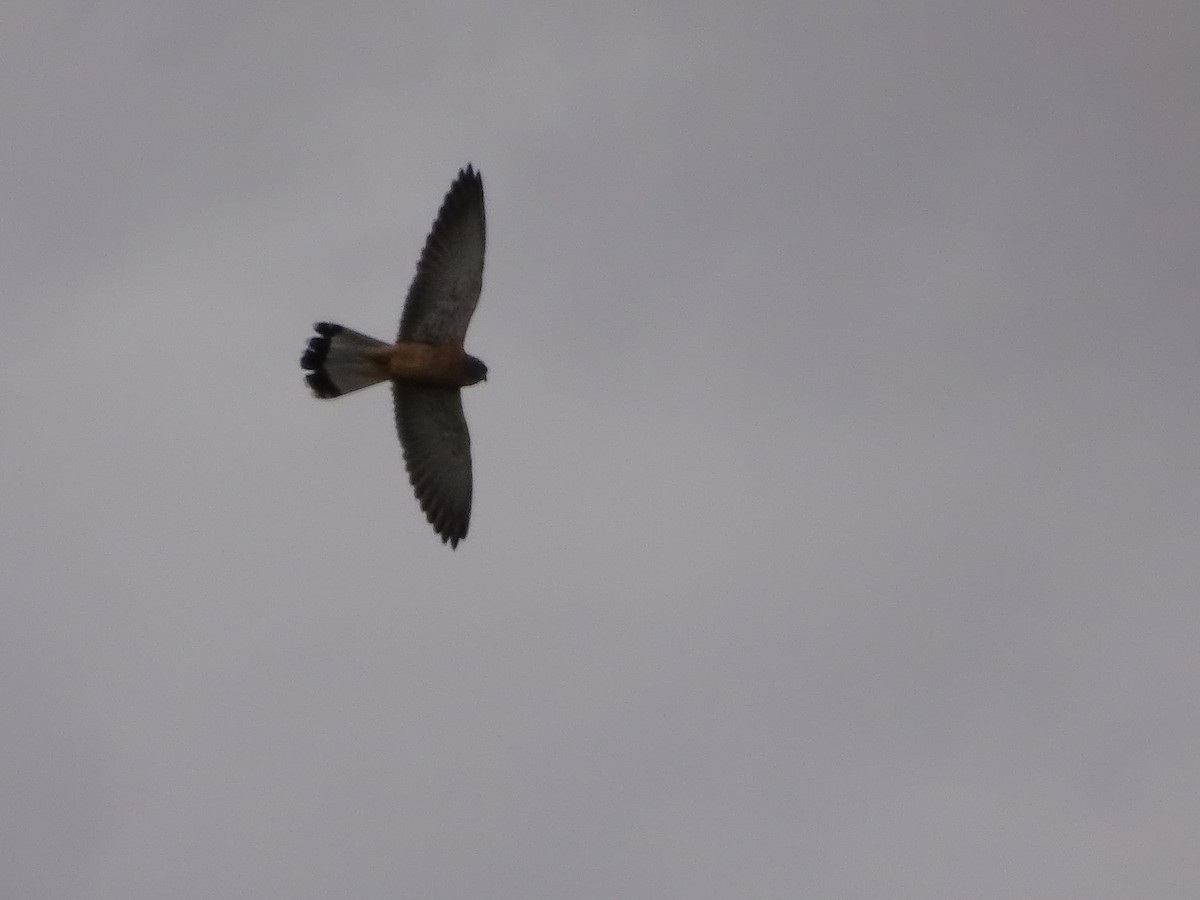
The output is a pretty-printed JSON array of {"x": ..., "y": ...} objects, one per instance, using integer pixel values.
[{"x": 837, "y": 501}]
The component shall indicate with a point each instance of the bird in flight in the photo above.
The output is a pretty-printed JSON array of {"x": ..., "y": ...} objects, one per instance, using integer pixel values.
[{"x": 427, "y": 364}]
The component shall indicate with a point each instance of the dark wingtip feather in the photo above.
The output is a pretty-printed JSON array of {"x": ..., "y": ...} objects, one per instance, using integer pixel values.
[{"x": 468, "y": 185}]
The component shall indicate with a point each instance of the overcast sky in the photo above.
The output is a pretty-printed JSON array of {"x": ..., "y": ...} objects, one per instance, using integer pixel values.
[{"x": 837, "y": 496}]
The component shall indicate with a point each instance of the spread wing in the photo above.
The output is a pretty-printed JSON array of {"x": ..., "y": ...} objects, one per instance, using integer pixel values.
[
  {"x": 437, "y": 453},
  {"x": 449, "y": 276}
]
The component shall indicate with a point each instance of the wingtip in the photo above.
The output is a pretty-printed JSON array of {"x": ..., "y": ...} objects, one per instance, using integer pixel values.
[
  {"x": 470, "y": 173},
  {"x": 450, "y": 531},
  {"x": 452, "y": 538}
]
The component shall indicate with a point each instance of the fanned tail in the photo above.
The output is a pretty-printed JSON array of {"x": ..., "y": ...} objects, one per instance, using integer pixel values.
[{"x": 337, "y": 361}]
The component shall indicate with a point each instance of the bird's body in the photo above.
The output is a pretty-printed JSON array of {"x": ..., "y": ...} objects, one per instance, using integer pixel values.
[
  {"x": 427, "y": 364},
  {"x": 436, "y": 365}
]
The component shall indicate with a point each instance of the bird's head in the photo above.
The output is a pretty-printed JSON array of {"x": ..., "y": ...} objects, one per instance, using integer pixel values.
[{"x": 476, "y": 370}]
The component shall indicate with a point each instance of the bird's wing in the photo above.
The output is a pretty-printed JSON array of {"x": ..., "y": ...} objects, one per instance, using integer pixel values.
[
  {"x": 437, "y": 452},
  {"x": 445, "y": 291}
]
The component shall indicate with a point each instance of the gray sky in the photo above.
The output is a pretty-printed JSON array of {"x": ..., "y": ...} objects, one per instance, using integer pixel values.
[{"x": 837, "y": 501}]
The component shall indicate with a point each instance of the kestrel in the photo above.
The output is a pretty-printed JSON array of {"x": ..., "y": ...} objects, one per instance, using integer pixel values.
[{"x": 427, "y": 364}]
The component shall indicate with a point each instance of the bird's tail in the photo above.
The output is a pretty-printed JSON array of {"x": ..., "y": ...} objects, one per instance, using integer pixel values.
[{"x": 338, "y": 362}]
